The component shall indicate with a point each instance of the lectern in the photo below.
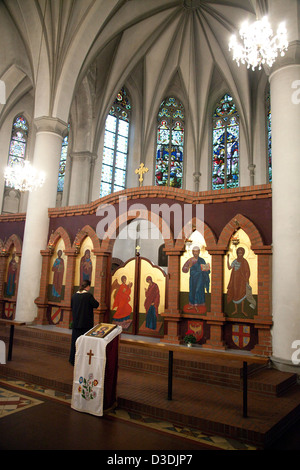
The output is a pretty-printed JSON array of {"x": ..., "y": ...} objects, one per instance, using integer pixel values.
[{"x": 96, "y": 370}]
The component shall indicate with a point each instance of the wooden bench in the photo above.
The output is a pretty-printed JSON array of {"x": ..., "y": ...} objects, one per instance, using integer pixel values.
[
  {"x": 12, "y": 324},
  {"x": 244, "y": 357}
]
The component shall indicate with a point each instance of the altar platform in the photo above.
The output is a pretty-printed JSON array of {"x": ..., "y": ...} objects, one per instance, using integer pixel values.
[{"x": 207, "y": 394}]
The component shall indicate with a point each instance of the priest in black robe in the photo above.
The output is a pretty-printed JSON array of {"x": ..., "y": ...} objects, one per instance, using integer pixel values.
[{"x": 82, "y": 304}]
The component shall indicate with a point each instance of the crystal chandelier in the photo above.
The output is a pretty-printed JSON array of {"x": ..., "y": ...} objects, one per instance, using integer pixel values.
[
  {"x": 259, "y": 45},
  {"x": 23, "y": 177}
]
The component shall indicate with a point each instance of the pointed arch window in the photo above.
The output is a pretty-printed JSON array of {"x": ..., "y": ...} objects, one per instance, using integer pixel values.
[
  {"x": 269, "y": 136},
  {"x": 115, "y": 152},
  {"x": 225, "y": 165},
  {"x": 170, "y": 144},
  {"x": 62, "y": 163},
  {"x": 18, "y": 142}
]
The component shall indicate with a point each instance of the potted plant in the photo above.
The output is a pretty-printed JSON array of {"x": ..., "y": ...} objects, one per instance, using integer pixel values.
[{"x": 189, "y": 338}]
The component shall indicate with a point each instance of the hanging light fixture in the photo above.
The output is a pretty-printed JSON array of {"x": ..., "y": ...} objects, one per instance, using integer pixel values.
[
  {"x": 259, "y": 46},
  {"x": 23, "y": 176}
]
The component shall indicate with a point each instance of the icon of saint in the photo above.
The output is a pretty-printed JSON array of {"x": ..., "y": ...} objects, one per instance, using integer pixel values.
[
  {"x": 151, "y": 303},
  {"x": 238, "y": 286},
  {"x": 86, "y": 267},
  {"x": 122, "y": 299},
  {"x": 58, "y": 268},
  {"x": 198, "y": 282},
  {"x": 12, "y": 276}
]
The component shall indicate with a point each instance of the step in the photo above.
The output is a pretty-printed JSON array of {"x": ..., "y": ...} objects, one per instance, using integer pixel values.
[
  {"x": 199, "y": 405},
  {"x": 136, "y": 358}
]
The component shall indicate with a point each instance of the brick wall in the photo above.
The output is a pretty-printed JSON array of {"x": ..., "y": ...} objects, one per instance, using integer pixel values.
[{"x": 249, "y": 208}]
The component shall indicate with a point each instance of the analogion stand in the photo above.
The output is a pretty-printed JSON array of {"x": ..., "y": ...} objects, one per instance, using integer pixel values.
[{"x": 96, "y": 370}]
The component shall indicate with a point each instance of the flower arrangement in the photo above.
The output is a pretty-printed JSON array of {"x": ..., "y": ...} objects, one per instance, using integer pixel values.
[{"x": 189, "y": 337}]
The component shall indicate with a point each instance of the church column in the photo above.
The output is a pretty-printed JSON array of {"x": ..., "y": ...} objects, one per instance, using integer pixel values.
[
  {"x": 172, "y": 315},
  {"x": 285, "y": 108},
  {"x": 196, "y": 177},
  {"x": 103, "y": 266},
  {"x": 216, "y": 315},
  {"x": 69, "y": 288},
  {"x": 42, "y": 300},
  {"x": 80, "y": 181},
  {"x": 3, "y": 263},
  {"x": 46, "y": 158},
  {"x": 263, "y": 319}
]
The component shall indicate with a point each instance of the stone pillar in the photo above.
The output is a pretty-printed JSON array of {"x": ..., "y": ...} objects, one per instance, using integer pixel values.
[
  {"x": 285, "y": 108},
  {"x": 46, "y": 158},
  {"x": 196, "y": 177},
  {"x": 80, "y": 181},
  {"x": 251, "y": 169}
]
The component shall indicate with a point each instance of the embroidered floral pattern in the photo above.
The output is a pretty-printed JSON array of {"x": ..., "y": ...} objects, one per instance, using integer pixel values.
[{"x": 86, "y": 387}]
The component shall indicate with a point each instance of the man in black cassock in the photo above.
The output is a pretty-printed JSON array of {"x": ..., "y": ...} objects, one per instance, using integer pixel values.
[{"x": 83, "y": 304}]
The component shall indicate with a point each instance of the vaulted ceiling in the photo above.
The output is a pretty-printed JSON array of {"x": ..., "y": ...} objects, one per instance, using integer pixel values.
[{"x": 50, "y": 45}]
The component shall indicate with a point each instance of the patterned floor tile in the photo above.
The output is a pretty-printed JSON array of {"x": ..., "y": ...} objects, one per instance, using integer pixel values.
[
  {"x": 12, "y": 402},
  {"x": 15, "y": 403}
]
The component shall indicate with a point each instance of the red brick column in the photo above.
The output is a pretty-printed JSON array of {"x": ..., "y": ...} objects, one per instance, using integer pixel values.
[
  {"x": 70, "y": 275},
  {"x": 101, "y": 289},
  {"x": 172, "y": 315},
  {"x": 3, "y": 262},
  {"x": 42, "y": 300},
  {"x": 263, "y": 320},
  {"x": 215, "y": 318}
]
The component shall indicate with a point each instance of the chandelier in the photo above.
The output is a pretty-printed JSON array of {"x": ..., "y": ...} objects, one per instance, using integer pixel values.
[
  {"x": 259, "y": 45},
  {"x": 23, "y": 177}
]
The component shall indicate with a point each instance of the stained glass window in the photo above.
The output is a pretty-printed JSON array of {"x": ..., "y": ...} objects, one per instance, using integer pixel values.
[
  {"x": 170, "y": 142},
  {"x": 269, "y": 136},
  {"x": 115, "y": 151},
  {"x": 62, "y": 163},
  {"x": 18, "y": 142},
  {"x": 225, "y": 166}
]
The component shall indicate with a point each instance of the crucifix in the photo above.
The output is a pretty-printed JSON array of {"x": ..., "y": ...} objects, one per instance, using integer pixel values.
[
  {"x": 140, "y": 171},
  {"x": 90, "y": 354}
]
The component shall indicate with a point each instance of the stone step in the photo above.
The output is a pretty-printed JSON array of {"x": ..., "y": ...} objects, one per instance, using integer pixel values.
[
  {"x": 135, "y": 358},
  {"x": 195, "y": 404}
]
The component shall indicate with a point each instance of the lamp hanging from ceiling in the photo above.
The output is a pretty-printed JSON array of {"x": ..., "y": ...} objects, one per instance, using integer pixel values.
[
  {"x": 259, "y": 46},
  {"x": 23, "y": 176}
]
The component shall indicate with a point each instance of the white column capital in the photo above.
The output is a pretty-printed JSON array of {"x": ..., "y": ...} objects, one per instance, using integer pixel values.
[{"x": 50, "y": 124}]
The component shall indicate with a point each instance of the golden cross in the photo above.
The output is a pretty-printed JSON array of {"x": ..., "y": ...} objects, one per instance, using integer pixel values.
[
  {"x": 140, "y": 171},
  {"x": 90, "y": 354}
]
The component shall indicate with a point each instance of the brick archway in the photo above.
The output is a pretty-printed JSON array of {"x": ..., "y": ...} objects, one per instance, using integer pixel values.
[
  {"x": 86, "y": 231},
  {"x": 123, "y": 220},
  {"x": 240, "y": 222},
  {"x": 14, "y": 240},
  {"x": 187, "y": 230},
  {"x": 60, "y": 232}
]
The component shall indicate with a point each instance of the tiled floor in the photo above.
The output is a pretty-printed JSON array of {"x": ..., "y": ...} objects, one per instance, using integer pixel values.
[
  {"x": 17, "y": 395},
  {"x": 140, "y": 396}
]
